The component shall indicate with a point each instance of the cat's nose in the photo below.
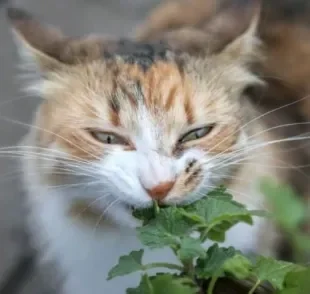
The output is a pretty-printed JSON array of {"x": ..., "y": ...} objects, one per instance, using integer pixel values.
[{"x": 160, "y": 191}]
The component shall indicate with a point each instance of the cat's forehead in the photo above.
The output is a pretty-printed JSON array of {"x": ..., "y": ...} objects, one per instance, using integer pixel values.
[
  {"x": 144, "y": 54},
  {"x": 132, "y": 75}
]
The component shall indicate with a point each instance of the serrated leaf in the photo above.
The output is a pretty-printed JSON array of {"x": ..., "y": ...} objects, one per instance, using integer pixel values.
[
  {"x": 163, "y": 283},
  {"x": 190, "y": 248},
  {"x": 288, "y": 209},
  {"x": 297, "y": 282},
  {"x": 174, "y": 222},
  {"x": 239, "y": 266},
  {"x": 217, "y": 210},
  {"x": 273, "y": 271},
  {"x": 166, "y": 229},
  {"x": 145, "y": 287},
  {"x": 213, "y": 263},
  {"x": 155, "y": 236},
  {"x": 216, "y": 216},
  {"x": 127, "y": 264}
]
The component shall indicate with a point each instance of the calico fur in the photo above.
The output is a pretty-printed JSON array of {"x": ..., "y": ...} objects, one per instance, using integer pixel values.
[{"x": 148, "y": 96}]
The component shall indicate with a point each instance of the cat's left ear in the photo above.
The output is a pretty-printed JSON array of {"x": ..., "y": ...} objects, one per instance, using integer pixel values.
[
  {"x": 231, "y": 33},
  {"x": 235, "y": 32}
]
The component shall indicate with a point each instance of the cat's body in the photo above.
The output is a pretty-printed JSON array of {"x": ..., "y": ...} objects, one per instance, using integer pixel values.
[{"x": 124, "y": 123}]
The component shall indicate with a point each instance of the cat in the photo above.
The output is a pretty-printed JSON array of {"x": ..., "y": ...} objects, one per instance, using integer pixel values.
[{"x": 123, "y": 123}]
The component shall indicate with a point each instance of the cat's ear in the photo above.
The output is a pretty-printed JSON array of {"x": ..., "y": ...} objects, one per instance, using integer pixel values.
[
  {"x": 234, "y": 32},
  {"x": 44, "y": 50},
  {"x": 46, "y": 47},
  {"x": 38, "y": 45},
  {"x": 231, "y": 32}
]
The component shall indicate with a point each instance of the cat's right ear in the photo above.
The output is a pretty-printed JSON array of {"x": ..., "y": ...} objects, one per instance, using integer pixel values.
[
  {"x": 37, "y": 44},
  {"x": 44, "y": 50}
]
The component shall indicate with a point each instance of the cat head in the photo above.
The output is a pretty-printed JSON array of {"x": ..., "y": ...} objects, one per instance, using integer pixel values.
[{"x": 139, "y": 121}]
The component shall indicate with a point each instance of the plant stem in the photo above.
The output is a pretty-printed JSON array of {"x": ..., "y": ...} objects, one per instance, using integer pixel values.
[
  {"x": 212, "y": 284},
  {"x": 164, "y": 265},
  {"x": 189, "y": 268},
  {"x": 156, "y": 207},
  {"x": 252, "y": 291},
  {"x": 204, "y": 235}
]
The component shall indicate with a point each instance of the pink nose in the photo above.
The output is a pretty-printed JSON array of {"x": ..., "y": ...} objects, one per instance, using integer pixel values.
[{"x": 160, "y": 191}]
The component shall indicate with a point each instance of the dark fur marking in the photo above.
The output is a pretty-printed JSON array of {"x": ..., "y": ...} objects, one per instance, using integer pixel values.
[
  {"x": 143, "y": 54},
  {"x": 140, "y": 95},
  {"x": 192, "y": 176},
  {"x": 190, "y": 165},
  {"x": 114, "y": 104}
]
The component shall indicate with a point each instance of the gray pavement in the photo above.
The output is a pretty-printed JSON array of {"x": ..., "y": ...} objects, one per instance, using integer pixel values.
[{"x": 75, "y": 17}]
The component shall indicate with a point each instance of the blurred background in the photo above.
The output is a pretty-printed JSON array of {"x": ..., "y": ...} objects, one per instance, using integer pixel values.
[{"x": 75, "y": 17}]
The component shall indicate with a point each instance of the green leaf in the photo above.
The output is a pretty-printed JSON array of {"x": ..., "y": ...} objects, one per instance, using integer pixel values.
[
  {"x": 297, "y": 282},
  {"x": 172, "y": 285},
  {"x": 217, "y": 210},
  {"x": 145, "y": 215},
  {"x": 220, "y": 193},
  {"x": 155, "y": 236},
  {"x": 127, "y": 264},
  {"x": 216, "y": 215},
  {"x": 288, "y": 209},
  {"x": 145, "y": 287},
  {"x": 190, "y": 248},
  {"x": 163, "y": 283},
  {"x": 214, "y": 262},
  {"x": 273, "y": 271},
  {"x": 239, "y": 266},
  {"x": 166, "y": 229}
]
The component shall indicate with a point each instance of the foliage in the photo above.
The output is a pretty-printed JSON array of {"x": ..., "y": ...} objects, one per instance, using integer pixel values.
[{"x": 209, "y": 219}]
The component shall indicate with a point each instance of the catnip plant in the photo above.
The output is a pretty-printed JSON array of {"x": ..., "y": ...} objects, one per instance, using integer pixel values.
[{"x": 201, "y": 270}]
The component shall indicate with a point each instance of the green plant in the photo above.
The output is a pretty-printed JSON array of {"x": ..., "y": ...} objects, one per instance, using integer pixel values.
[
  {"x": 290, "y": 213},
  {"x": 200, "y": 270}
]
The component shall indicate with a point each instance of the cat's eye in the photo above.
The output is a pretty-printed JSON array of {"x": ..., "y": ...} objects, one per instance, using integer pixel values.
[
  {"x": 196, "y": 134},
  {"x": 109, "y": 138}
]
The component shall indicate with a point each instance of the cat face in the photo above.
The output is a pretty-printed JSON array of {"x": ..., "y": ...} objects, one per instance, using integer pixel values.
[{"x": 137, "y": 122}]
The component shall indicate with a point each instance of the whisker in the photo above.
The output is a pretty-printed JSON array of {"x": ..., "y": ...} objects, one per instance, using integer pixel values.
[
  {"x": 47, "y": 131},
  {"x": 257, "y": 118}
]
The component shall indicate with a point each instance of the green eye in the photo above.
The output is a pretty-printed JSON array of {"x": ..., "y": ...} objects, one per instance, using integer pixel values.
[
  {"x": 108, "y": 138},
  {"x": 196, "y": 134}
]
